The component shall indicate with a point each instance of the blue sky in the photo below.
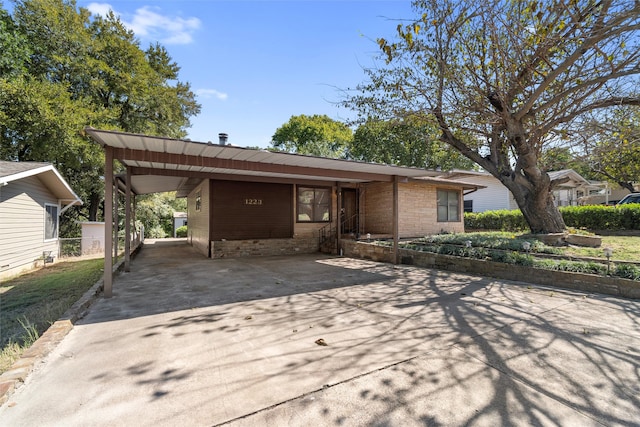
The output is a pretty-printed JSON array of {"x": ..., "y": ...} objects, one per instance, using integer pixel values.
[{"x": 254, "y": 64}]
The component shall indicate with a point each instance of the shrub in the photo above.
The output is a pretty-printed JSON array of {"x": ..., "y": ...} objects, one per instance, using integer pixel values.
[
  {"x": 627, "y": 271},
  {"x": 503, "y": 220},
  {"x": 592, "y": 217},
  {"x": 181, "y": 231}
]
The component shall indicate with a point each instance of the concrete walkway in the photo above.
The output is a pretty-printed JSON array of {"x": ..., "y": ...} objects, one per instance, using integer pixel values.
[{"x": 192, "y": 341}]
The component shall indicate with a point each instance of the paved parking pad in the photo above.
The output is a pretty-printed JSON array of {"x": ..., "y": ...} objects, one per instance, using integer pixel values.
[{"x": 193, "y": 341}]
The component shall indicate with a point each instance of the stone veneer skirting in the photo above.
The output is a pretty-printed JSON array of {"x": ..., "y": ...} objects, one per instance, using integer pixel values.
[
  {"x": 263, "y": 247},
  {"x": 561, "y": 279}
]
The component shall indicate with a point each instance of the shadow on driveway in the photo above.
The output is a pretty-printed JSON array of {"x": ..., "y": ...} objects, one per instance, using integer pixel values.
[{"x": 193, "y": 341}]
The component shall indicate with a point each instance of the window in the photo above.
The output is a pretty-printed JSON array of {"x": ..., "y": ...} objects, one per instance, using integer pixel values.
[
  {"x": 468, "y": 205},
  {"x": 198, "y": 200},
  {"x": 314, "y": 204},
  {"x": 50, "y": 222},
  {"x": 448, "y": 206}
]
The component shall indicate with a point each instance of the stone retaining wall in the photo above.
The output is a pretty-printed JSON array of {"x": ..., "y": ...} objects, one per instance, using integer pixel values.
[
  {"x": 578, "y": 281},
  {"x": 263, "y": 247}
]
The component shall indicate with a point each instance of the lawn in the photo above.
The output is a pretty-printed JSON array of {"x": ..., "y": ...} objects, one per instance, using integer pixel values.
[
  {"x": 514, "y": 249},
  {"x": 625, "y": 248},
  {"x": 30, "y": 303}
]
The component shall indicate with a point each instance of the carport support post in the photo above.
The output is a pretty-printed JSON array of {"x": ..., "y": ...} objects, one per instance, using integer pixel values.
[
  {"x": 108, "y": 221},
  {"x": 116, "y": 221},
  {"x": 127, "y": 224},
  {"x": 339, "y": 218},
  {"x": 395, "y": 219}
]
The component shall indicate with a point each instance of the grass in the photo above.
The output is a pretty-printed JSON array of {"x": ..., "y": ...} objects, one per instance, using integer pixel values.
[
  {"x": 30, "y": 303},
  {"x": 508, "y": 247},
  {"x": 625, "y": 248}
]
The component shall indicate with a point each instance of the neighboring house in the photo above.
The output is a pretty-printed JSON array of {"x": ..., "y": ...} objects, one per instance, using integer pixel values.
[
  {"x": 604, "y": 194},
  {"x": 32, "y": 198},
  {"x": 495, "y": 196},
  {"x": 179, "y": 220},
  {"x": 250, "y": 202}
]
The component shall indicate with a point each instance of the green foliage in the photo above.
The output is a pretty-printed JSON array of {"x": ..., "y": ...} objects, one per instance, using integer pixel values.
[
  {"x": 155, "y": 213},
  {"x": 507, "y": 248},
  {"x": 600, "y": 217},
  {"x": 489, "y": 240},
  {"x": 627, "y": 271},
  {"x": 316, "y": 135},
  {"x": 505, "y": 81},
  {"x": 15, "y": 51},
  {"x": 61, "y": 70},
  {"x": 33, "y": 301},
  {"x": 413, "y": 141},
  {"x": 503, "y": 220},
  {"x": 181, "y": 231},
  {"x": 613, "y": 151},
  {"x": 591, "y": 217}
]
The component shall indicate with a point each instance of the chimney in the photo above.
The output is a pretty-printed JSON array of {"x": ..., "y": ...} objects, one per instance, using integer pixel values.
[{"x": 223, "y": 138}]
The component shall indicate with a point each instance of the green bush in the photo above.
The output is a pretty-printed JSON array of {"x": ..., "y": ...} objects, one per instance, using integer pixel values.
[
  {"x": 181, "y": 231},
  {"x": 503, "y": 220},
  {"x": 592, "y": 217},
  {"x": 627, "y": 271}
]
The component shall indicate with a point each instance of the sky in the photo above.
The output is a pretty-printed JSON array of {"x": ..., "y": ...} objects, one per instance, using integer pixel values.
[{"x": 255, "y": 63}]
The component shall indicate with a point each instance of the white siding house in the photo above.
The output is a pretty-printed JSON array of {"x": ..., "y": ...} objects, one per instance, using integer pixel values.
[
  {"x": 495, "y": 196},
  {"x": 32, "y": 198}
]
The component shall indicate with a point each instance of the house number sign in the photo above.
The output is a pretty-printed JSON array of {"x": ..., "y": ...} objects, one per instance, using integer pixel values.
[{"x": 254, "y": 202}]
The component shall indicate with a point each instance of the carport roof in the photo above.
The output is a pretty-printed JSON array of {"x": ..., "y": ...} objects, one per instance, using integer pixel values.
[{"x": 159, "y": 164}]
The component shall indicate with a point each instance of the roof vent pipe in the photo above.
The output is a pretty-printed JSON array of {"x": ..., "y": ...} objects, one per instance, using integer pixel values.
[{"x": 223, "y": 138}]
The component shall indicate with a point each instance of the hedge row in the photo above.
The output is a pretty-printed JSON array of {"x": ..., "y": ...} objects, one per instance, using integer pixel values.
[{"x": 592, "y": 217}]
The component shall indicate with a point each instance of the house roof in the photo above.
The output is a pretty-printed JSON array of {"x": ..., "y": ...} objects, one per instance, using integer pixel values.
[
  {"x": 159, "y": 164},
  {"x": 574, "y": 179},
  {"x": 50, "y": 177}
]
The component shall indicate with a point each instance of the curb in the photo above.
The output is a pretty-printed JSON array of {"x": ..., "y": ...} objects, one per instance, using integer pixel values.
[{"x": 13, "y": 378}]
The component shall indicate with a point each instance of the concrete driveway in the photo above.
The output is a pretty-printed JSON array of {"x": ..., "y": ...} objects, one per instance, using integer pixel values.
[{"x": 192, "y": 341}]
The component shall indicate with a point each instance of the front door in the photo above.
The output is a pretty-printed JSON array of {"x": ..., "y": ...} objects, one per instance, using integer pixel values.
[{"x": 349, "y": 215}]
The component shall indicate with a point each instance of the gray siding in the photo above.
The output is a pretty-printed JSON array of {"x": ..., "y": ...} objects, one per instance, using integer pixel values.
[{"x": 22, "y": 218}]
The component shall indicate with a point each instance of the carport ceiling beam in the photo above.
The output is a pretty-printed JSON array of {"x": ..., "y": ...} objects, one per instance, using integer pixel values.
[{"x": 127, "y": 154}]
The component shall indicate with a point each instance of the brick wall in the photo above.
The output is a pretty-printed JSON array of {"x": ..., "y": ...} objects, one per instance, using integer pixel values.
[
  {"x": 561, "y": 279},
  {"x": 417, "y": 205},
  {"x": 263, "y": 247}
]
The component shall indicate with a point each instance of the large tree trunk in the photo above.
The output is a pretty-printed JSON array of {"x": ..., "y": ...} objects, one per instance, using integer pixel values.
[
  {"x": 94, "y": 204},
  {"x": 537, "y": 205}
]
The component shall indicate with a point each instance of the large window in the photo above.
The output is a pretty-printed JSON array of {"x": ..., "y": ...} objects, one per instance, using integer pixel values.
[
  {"x": 448, "y": 206},
  {"x": 50, "y": 222},
  {"x": 314, "y": 204}
]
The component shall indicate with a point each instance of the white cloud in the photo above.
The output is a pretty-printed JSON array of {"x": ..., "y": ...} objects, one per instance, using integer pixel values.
[
  {"x": 148, "y": 23},
  {"x": 99, "y": 8},
  {"x": 211, "y": 93}
]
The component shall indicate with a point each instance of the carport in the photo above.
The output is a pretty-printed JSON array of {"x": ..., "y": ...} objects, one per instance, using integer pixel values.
[
  {"x": 235, "y": 342},
  {"x": 158, "y": 164}
]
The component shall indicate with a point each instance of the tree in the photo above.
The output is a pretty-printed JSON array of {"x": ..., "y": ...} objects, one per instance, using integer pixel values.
[
  {"x": 612, "y": 146},
  {"x": 412, "y": 141},
  {"x": 14, "y": 50},
  {"x": 155, "y": 213},
  {"x": 68, "y": 70},
  {"x": 504, "y": 79},
  {"x": 316, "y": 135}
]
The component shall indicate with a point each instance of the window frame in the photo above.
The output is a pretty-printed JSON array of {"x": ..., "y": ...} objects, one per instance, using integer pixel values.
[
  {"x": 56, "y": 218},
  {"x": 313, "y": 204},
  {"x": 198, "y": 200},
  {"x": 448, "y": 205}
]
